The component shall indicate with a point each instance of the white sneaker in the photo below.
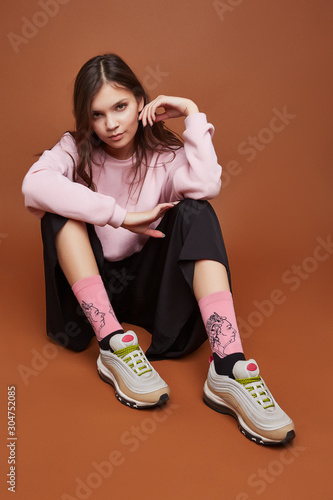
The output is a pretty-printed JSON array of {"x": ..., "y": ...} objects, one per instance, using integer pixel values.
[
  {"x": 248, "y": 399},
  {"x": 137, "y": 384}
]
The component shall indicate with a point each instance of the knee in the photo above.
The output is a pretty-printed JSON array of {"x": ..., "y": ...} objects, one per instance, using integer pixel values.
[
  {"x": 189, "y": 208},
  {"x": 72, "y": 230},
  {"x": 191, "y": 204},
  {"x": 74, "y": 225}
]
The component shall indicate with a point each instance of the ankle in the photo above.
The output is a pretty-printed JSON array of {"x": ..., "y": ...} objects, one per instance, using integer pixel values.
[
  {"x": 104, "y": 343},
  {"x": 224, "y": 366}
]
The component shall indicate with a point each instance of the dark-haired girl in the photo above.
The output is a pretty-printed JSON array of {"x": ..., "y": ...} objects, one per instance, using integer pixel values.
[{"x": 129, "y": 236}]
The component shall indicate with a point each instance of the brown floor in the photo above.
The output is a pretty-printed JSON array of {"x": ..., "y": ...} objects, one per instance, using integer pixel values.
[
  {"x": 69, "y": 421},
  {"x": 240, "y": 61}
]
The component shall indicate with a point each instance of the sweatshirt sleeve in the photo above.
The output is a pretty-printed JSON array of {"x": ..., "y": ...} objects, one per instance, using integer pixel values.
[
  {"x": 195, "y": 172},
  {"x": 48, "y": 187}
]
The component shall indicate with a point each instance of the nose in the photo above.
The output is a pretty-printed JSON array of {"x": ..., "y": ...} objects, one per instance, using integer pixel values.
[{"x": 110, "y": 122}]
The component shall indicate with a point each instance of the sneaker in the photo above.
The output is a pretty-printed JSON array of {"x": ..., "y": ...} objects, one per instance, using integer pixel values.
[
  {"x": 137, "y": 384},
  {"x": 248, "y": 400}
]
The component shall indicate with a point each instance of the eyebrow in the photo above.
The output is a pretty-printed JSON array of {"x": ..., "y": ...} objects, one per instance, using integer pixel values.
[{"x": 121, "y": 101}]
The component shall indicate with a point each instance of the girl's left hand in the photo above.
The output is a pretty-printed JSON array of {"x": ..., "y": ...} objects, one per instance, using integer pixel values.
[
  {"x": 139, "y": 222},
  {"x": 174, "y": 107}
]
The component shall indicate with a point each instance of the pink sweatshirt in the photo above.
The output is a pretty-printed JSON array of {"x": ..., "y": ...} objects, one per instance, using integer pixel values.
[{"x": 193, "y": 173}]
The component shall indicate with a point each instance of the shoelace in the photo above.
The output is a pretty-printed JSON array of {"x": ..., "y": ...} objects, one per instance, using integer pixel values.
[
  {"x": 135, "y": 359},
  {"x": 258, "y": 390}
]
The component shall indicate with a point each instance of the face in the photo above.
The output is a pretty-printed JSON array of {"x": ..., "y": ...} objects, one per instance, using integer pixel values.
[
  {"x": 114, "y": 112},
  {"x": 94, "y": 315},
  {"x": 228, "y": 331},
  {"x": 224, "y": 331}
]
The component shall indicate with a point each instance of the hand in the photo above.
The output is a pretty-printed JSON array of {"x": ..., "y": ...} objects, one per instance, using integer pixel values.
[
  {"x": 174, "y": 107},
  {"x": 139, "y": 222}
]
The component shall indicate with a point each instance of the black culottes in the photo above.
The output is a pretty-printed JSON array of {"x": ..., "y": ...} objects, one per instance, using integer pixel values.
[{"x": 152, "y": 288}]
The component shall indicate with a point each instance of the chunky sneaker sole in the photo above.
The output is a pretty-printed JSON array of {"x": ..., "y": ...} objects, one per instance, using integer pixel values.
[
  {"x": 249, "y": 401},
  {"x": 137, "y": 384}
]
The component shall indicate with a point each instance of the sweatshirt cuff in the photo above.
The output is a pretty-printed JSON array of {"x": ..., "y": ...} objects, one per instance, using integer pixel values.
[
  {"x": 118, "y": 216},
  {"x": 195, "y": 119}
]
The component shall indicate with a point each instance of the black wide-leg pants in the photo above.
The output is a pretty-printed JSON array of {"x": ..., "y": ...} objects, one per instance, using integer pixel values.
[{"x": 152, "y": 289}]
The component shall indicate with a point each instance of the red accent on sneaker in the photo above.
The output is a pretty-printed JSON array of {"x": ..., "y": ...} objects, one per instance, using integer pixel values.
[
  {"x": 127, "y": 338},
  {"x": 251, "y": 367},
  {"x": 211, "y": 359}
]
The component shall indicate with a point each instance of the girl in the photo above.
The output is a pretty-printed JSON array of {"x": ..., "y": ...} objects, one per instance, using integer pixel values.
[{"x": 129, "y": 237}]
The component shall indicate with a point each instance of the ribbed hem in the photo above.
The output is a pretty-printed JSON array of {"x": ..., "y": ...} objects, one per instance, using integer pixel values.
[
  {"x": 118, "y": 216},
  {"x": 85, "y": 282},
  {"x": 215, "y": 297},
  {"x": 195, "y": 118}
]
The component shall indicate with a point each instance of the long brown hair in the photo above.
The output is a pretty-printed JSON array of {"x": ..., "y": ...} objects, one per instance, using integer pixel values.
[{"x": 110, "y": 68}]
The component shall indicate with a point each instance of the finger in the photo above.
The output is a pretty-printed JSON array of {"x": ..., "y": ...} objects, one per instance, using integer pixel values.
[
  {"x": 143, "y": 114},
  {"x": 152, "y": 107},
  {"x": 164, "y": 209},
  {"x": 161, "y": 116},
  {"x": 154, "y": 233},
  {"x": 151, "y": 115}
]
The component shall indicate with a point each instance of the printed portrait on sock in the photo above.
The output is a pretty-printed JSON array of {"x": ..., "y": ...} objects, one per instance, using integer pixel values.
[
  {"x": 221, "y": 333},
  {"x": 94, "y": 315}
]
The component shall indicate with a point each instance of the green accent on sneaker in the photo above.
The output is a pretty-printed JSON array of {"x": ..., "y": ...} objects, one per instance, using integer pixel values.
[
  {"x": 252, "y": 385},
  {"x": 245, "y": 381},
  {"x": 123, "y": 354}
]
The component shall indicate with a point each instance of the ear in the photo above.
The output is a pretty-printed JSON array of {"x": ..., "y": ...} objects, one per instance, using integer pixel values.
[{"x": 141, "y": 104}]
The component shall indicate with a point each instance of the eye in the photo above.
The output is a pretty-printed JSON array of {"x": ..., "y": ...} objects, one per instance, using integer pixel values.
[
  {"x": 121, "y": 106},
  {"x": 96, "y": 115}
]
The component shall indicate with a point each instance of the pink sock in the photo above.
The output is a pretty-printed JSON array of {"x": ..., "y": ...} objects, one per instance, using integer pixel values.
[
  {"x": 218, "y": 314},
  {"x": 92, "y": 297}
]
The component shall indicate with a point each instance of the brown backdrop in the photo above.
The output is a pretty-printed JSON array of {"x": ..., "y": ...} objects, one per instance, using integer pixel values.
[{"x": 261, "y": 70}]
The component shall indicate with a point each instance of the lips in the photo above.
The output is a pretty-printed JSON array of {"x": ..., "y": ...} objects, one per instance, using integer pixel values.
[{"x": 116, "y": 137}]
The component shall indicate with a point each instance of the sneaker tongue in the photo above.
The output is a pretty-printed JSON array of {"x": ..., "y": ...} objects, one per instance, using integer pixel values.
[
  {"x": 122, "y": 340},
  {"x": 245, "y": 369}
]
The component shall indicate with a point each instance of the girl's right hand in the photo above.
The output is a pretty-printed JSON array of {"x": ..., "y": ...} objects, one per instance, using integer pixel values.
[
  {"x": 174, "y": 107},
  {"x": 139, "y": 222}
]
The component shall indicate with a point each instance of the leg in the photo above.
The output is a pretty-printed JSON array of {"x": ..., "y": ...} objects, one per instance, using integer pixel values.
[
  {"x": 212, "y": 291},
  {"x": 74, "y": 251},
  {"x": 223, "y": 393},
  {"x": 187, "y": 261},
  {"x": 209, "y": 277},
  {"x": 65, "y": 322},
  {"x": 136, "y": 383},
  {"x": 77, "y": 261}
]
